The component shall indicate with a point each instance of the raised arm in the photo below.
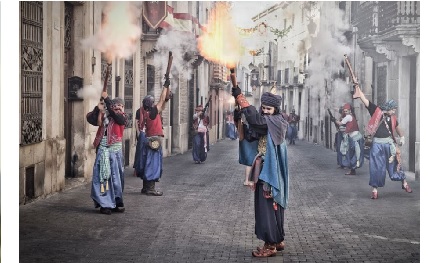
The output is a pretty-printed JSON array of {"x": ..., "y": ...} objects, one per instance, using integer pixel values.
[
  {"x": 362, "y": 96},
  {"x": 165, "y": 96}
]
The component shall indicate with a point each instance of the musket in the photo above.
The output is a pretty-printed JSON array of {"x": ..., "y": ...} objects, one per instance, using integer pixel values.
[
  {"x": 105, "y": 87},
  {"x": 105, "y": 84},
  {"x": 237, "y": 107},
  {"x": 167, "y": 73},
  {"x": 105, "y": 115},
  {"x": 354, "y": 92},
  {"x": 206, "y": 105},
  {"x": 170, "y": 60},
  {"x": 332, "y": 116}
]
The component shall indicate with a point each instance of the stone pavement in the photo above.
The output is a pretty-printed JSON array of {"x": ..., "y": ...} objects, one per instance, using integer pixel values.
[{"x": 206, "y": 215}]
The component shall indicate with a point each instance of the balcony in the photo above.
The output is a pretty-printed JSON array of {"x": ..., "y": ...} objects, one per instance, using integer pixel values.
[{"x": 387, "y": 26}]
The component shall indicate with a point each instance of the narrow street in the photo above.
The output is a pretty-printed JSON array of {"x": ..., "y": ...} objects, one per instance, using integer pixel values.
[{"x": 206, "y": 215}]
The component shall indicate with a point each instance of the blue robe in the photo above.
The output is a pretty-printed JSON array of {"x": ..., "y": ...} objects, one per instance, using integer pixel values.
[
  {"x": 199, "y": 153},
  {"x": 379, "y": 165},
  {"x": 350, "y": 158},
  {"x": 269, "y": 223},
  {"x": 275, "y": 170},
  {"x": 114, "y": 195},
  {"x": 247, "y": 151},
  {"x": 148, "y": 162},
  {"x": 231, "y": 132}
]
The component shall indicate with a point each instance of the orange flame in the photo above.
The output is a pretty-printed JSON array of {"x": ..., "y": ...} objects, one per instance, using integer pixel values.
[{"x": 221, "y": 42}]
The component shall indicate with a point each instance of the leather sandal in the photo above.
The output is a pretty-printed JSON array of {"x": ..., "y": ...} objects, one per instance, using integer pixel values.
[
  {"x": 280, "y": 246},
  {"x": 266, "y": 246},
  {"x": 407, "y": 188},
  {"x": 264, "y": 253}
]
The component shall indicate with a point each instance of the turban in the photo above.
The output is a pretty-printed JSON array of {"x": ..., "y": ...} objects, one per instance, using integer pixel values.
[
  {"x": 270, "y": 99},
  {"x": 389, "y": 105},
  {"x": 148, "y": 101},
  {"x": 118, "y": 101},
  {"x": 346, "y": 106}
]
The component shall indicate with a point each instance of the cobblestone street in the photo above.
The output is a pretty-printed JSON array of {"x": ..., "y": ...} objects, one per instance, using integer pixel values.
[{"x": 207, "y": 215}]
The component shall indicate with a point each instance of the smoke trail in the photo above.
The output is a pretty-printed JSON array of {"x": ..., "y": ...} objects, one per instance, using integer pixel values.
[
  {"x": 117, "y": 38},
  {"x": 326, "y": 56},
  {"x": 120, "y": 32},
  {"x": 183, "y": 46}
]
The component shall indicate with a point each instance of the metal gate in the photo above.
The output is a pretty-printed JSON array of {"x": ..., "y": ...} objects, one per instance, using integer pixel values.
[
  {"x": 31, "y": 72},
  {"x": 128, "y": 91}
]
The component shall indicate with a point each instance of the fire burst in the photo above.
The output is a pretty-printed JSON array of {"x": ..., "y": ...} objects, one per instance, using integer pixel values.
[{"x": 221, "y": 41}]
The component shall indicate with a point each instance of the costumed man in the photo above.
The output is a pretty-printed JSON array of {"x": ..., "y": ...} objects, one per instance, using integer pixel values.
[
  {"x": 201, "y": 134},
  {"x": 352, "y": 145},
  {"x": 108, "y": 171},
  {"x": 381, "y": 126},
  {"x": 231, "y": 131},
  {"x": 339, "y": 138},
  {"x": 269, "y": 171},
  {"x": 148, "y": 163},
  {"x": 293, "y": 120}
]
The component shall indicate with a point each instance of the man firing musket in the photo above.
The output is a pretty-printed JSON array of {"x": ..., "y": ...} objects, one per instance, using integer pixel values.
[
  {"x": 384, "y": 151},
  {"x": 149, "y": 165},
  {"x": 108, "y": 182}
]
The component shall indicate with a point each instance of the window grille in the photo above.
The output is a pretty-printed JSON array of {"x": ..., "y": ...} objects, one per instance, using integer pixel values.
[{"x": 31, "y": 72}]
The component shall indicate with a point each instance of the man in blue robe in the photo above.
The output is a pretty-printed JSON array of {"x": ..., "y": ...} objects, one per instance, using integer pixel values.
[{"x": 269, "y": 170}]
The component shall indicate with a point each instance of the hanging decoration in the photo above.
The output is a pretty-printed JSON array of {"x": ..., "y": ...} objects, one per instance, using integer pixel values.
[
  {"x": 261, "y": 28},
  {"x": 256, "y": 52}
]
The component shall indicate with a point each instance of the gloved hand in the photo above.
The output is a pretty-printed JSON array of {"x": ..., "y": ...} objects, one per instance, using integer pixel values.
[
  {"x": 402, "y": 141},
  {"x": 236, "y": 91},
  {"x": 167, "y": 81},
  {"x": 333, "y": 119}
]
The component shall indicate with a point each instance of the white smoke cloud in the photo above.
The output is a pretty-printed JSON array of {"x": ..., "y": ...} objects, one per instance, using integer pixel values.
[
  {"x": 326, "y": 54},
  {"x": 183, "y": 46},
  {"x": 92, "y": 92},
  {"x": 120, "y": 31}
]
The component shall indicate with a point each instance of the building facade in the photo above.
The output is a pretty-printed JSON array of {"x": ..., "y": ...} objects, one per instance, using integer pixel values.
[
  {"x": 305, "y": 61},
  {"x": 61, "y": 82}
]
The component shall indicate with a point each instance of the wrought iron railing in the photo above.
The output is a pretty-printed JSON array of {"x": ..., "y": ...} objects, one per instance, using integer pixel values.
[
  {"x": 377, "y": 18},
  {"x": 392, "y": 14}
]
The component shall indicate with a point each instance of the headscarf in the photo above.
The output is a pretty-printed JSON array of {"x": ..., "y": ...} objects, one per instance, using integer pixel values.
[
  {"x": 114, "y": 105},
  {"x": 118, "y": 100},
  {"x": 276, "y": 124},
  {"x": 148, "y": 102},
  {"x": 346, "y": 106},
  {"x": 270, "y": 99},
  {"x": 389, "y": 105}
]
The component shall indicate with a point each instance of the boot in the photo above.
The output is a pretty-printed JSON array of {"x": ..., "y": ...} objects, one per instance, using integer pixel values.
[
  {"x": 144, "y": 190},
  {"x": 150, "y": 190}
]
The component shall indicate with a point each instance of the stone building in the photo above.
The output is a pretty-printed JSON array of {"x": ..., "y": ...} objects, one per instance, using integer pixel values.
[
  {"x": 305, "y": 61},
  {"x": 61, "y": 82}
]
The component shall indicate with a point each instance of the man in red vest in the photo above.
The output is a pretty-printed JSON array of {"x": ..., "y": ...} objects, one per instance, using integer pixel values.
[
  {"x": 108, "y": 171},
  {"x": 352, "y": 145},
  {"x": 382, "y": 125},
  {"x": 148, "y": 159}
]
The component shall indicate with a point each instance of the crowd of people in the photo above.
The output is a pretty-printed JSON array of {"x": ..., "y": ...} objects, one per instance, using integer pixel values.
[{"x": 262, "y": 134}]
